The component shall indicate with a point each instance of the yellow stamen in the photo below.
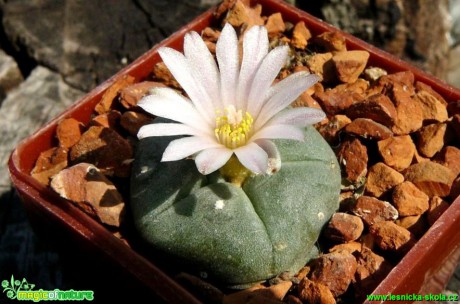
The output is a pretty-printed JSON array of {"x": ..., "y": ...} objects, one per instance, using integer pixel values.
[{"x": 233, "y": 129}]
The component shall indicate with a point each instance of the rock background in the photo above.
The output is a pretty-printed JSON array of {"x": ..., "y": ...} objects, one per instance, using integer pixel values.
[{"x": 53, "y": 52}]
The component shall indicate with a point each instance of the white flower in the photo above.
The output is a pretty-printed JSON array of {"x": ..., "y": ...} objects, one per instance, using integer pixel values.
[{"x": 231, "y": 109}]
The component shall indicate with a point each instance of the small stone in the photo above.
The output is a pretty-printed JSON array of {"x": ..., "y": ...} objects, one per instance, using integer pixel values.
[
  {"x": 344, "y": 227},
  {"x": 84, "y": 185},
  {"x": 350, "y": 64},
  {"x": 352, "y": 156},
  {"x": 130, "y": 95},
  {"x": 397, "y": 151},
  {"x": 331, "y": 42},
  {"x": 259, "y": 294},
  {"x": 242, "y": 14},
  {"x": 338, "y": 99},
  {"x": 371, "y": 270},
  {"x": 302, "y": 273},
  {"x": 313, "y": 292},
  {"x": 431, "y": 139},
  {"x": 275, "y": 24},
  {"x": 382, "y": 178},
  {"x": 372, "y": 210},
  {"x": 305, "y": 100},
  {"x": 300, "y": 35},
  {"x": 335, "y": 270},
  {"x": 162, "y": 74},
  {"x": 49, "y": 163},
  {"x": 416, "y": 224},
  {"x": 321, "y": 65},
  {"x": 110, "y": 120},
  {"x": 404, "y": 79},
  {"x": 432, "y": 108},
  {"x": 418, "y": 158},
  {"x": 349, "y": 247},
  {"x": 409, "y": 114},
  {"x": 368, "y": 129},
  {"x": 104, "y": 148},
  {"x": 105, "y": 105},
  {"x": 409, "y": 200},
  {"x": 390, "y": 237},
  {"x": 133, "y": 121},
  {"x": 431, "y": 178},
  {"x": 210, "y": 34},
  {"x": 331, "y": 128},
  {"x": 377, "y": 107},
  {"x": 449, "y": 157},
  {"x": 68, "y": 132},
  {"x": 420, "y": 86},
  {"x": 437, "y": 208},
  {"x": 374, "y": 73}
]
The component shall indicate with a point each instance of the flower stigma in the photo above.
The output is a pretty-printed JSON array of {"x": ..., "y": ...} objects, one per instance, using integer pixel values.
[{"x": 233, "y": 129}]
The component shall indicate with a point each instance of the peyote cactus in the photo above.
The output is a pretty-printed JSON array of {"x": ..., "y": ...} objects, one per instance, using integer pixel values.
[{"x": 236, "y": 235}]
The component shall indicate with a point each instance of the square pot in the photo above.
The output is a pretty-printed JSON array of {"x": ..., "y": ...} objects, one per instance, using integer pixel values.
[{"x": 426, "y": 268}]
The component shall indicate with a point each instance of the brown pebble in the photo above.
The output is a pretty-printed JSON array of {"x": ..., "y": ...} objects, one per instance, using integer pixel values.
[
  {"x": 300, "y": 35},
  {"x": 275, "y": 24},
  {"x": 368, "y": 129},
  {"x": 352, "y": 156},
  {"x": 372, "y": 210},
  {"x": 305, "y": 100},
  {"x": 259, "y": 294},
  {"x": 321, "y": 65},
  {"x": 404, "y": 79},
  {"x": 110, "y": 120},
  {"x": 397, "y": 151},
  {"x": 104, "y": 148},
  {"x": 409, "y": 200},
  {"x": 437, "y": 208},
  {"x": 242, "y": 14},
  {"x": 133, "y": 121},
  {"x": 371, "y": 270},
  {"x": 343, "y": 227},
  {"x": 449, "y": 157},
  {"x": 377, "y": 107},
  {"x": 210, "y": 34},
  {"x": 382, "y": 178},
  {"x": 432, "y": 108},
  {"x": 350, "y": 64},
  {"x": 107, "y": 100},
  {"x": 390, "y": 237},
  {"x": 313, "y": 292},
  {"x": 130, "y": 95},
  {"x": 431, "y": 178},
  {"x": 338, "y": 99},
  {"x": 68, "y": 132},
  {"x": 416, "y": 224},
  {"x": 349, "y": 247},
  {"x": 84, "y": 185},
  {"x": 49, "y": 163},
  {"x": 162, "y": 74},
  {"x": 409, "y": 114},
  {"x": 331, "y": 41},
  {"x": 430, "y": 139},
  {"x": 420, "y": 86},
  {"x": 334, "y": 270}
]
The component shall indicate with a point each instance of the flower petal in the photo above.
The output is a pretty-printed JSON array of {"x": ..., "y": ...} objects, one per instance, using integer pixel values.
[
  {"x": 167, "y": 129},
  {"x": 263, "y": 79},
  {"x": 165, "y": 102},
  {"x": 209, "y": 160},
  {"x": 227, "y": 57},
  {"x": 255, "y": 48},
  {"x": 252, "y": 157},
  {"x": 186, "y": 146},
  {"x": 301, "y": 117},
  {"x": 179, "y": 67},
  {"x": 283, "y": 94},
  {"x": 279, "y": 131},
  {"x": 274, "y": 157},
  {"x": 203, "y": 65}
]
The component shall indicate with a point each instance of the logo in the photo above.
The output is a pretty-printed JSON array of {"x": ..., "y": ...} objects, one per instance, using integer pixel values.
[{"x": 24, "y": 291}]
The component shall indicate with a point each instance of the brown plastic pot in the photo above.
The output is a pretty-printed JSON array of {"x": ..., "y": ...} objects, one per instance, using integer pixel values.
[{"x": 426, "y": 268}]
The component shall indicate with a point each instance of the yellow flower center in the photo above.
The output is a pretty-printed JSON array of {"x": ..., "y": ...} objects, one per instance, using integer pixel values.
[{"x": 234, "y": 128}]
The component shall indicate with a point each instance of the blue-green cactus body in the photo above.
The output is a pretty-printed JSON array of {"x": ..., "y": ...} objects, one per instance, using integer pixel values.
[{"x": 237, "y": 236}]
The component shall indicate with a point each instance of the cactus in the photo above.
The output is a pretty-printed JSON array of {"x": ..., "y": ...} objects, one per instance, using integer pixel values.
[{"x": 236, "y": 235}]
